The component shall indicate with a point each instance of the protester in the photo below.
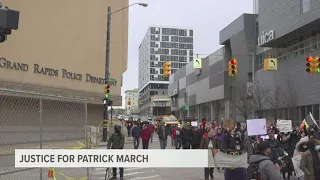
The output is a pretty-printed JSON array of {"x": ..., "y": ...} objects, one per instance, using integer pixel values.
[
  {"x": 163, "y": 135},
  {"x": 267, "y": 169},
  {"x": 207, "y": 143},
  {"x": 136, "y": 132},
  {"x": 151, "y": 129},
  {"x": 310, "y": 162},
  {"x": 145, "y": 136},
  {"x": 116, "y": 141}
]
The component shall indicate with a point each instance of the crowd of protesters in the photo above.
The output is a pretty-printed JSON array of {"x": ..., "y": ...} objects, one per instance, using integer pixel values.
[{"x": 267, "y": 153}]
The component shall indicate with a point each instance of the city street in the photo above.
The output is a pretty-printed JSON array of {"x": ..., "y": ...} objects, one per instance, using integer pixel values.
[{"x": 156, "y": 173}]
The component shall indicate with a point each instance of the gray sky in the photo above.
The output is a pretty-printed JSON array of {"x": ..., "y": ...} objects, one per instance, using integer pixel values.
[{"x": 205, "y": 17}]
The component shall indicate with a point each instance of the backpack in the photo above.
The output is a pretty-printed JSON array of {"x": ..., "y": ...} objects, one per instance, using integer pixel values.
[{"x": 253, "y": 171}]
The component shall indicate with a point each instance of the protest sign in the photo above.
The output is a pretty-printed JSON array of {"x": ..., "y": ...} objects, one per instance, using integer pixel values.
[
  {"x": 222, "y": 159},
  {"x": 194, "y": 123},
  {"x": 284, "y": 125},
  {"x": 256, "y": 127}
]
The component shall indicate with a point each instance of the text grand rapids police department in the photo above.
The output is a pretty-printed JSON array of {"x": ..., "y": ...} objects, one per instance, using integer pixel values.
[{"x": 84, "y": 158}]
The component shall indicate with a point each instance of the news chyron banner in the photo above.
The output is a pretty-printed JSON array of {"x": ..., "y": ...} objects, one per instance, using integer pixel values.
[{"x": 51, "y": 158}]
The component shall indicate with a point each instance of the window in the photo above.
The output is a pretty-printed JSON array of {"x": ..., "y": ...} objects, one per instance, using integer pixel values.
[
  {"x": 191, "y": 33},
  {"x": 305, "y": 6}
]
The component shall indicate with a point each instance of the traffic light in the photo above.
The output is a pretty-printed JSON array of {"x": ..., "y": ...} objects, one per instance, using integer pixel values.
[
  {"x": 308, "y": 64},
  {"x": 106, "y": 91},
  {"x": 232, "y": 67},
  {"x": 317, "y": 59},
  {"x": 167, "y": 69}
]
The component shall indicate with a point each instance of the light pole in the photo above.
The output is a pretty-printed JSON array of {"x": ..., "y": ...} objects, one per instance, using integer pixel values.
[
  {"x": 253, "y": 70},
  {"x": 107, "y": 72}
]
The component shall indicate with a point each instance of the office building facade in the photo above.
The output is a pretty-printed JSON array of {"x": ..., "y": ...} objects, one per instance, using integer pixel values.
[
  {"x": 61, "y": 49},
  {"x": 131, "y": 101},
  {"x": 159, "y": 45},
  {"x": 289, "y": 33}
]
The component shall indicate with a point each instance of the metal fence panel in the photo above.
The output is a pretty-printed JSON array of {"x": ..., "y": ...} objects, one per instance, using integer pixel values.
[{"x": 31, "y": 121}]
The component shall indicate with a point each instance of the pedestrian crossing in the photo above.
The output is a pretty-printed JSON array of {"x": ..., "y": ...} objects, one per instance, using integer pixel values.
[{"x": 129, "y": 174}]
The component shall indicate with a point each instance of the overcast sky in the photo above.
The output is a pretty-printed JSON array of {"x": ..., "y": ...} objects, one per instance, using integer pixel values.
[{"x": 205, "y": 17}]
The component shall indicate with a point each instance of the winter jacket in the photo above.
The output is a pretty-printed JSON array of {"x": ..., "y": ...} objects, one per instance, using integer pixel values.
[
  {"x": 186, "y": 134},
  {"x": 151, "y": 128},
  {"x": 136, "y": 131},
  {"x": 267, "y": 168},
  {"x": 145, "y": 135},
  {"x": 306, "y": 165},
  {"x": 174, "y": 132},
  {"x": 116, "y": 141},
  {"x": 221, "y": 138},
  {"x": 196, "y": 137},
  {"x": 163, "y": 132}
]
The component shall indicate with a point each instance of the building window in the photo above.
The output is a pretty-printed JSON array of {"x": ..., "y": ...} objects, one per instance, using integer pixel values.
[{"x": 305, "y": 6}]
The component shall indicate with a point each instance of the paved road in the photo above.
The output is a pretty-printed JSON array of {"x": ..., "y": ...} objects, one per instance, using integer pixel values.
[{"x": 156, "y": 173}]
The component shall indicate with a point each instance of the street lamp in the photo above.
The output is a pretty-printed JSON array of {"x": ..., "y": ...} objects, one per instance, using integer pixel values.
[
  {"x": 107, "y": 73},
  {"x": 108, "y": 36}
]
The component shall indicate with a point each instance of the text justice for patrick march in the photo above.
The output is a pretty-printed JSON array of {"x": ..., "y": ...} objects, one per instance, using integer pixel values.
[{"x": 84, "y": 158}]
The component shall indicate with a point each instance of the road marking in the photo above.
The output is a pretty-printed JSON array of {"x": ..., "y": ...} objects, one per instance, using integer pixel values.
[
  {"x": 129, "y": 174},
  {"x": 147, "y": 177},
  {"x": 103, "y": 170}
]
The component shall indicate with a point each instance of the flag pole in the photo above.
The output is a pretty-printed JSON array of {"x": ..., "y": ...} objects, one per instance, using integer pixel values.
[{"x": 313, "y": 119}]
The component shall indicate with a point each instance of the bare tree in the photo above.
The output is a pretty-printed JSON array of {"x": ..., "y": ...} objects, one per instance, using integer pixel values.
[
  {"x": 259, "y": 98},
  {"x": 290, "y": 97},
  {"x": 244, "y": 103},
  {"x": 274, "y": 100}
]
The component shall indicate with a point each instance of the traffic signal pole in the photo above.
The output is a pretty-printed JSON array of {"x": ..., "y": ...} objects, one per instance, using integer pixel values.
[{"x": 105, "y": 112}]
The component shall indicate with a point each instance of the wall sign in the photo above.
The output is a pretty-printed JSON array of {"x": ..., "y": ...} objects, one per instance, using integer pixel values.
[
  {"x": 265, "y": 37},
  {"x": 64, "y": 73}
]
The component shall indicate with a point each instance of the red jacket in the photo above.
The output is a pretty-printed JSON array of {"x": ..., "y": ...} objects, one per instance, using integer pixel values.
[
  {"x": 145, "y": 135},
  {"x": 174, "y": 132},
  {"x": 151, "y": 128}
]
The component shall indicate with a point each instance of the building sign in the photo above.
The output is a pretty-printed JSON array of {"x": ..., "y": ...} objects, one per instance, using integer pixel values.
[
  {"x": 64, "y": 73},
  {"x": 265, "y": 37}
]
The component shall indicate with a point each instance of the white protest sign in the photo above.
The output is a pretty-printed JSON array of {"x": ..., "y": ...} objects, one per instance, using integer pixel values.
[
  {"x": 256, "y": 127},
  {"x": 284, "y": 125},
  {"x": 194, "y": 123},
  {"x": 296, "y": 164}
]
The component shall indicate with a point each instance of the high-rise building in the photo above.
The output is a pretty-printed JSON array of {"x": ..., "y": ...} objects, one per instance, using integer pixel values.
[
  {"x": 131, "y": 101},
  {"x": 159, "y": 45}
]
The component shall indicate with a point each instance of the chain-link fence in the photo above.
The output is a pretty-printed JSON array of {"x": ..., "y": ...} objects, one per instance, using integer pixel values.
[{"x": 31, "y": 120}]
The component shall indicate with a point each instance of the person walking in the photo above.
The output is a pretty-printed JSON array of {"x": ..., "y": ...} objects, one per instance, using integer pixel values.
[
  {"x": 186, "y": 134},
  {"x": 163, "y": 135},
  {"x": 116, "y": 141},
  {"x": 145, "y": 136},
  {"x": 207, "y": 143},
  {"x": 136, "y": 131},
  {"x": 176, "y": 136},
  {"x": 151, "y": 129}
]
